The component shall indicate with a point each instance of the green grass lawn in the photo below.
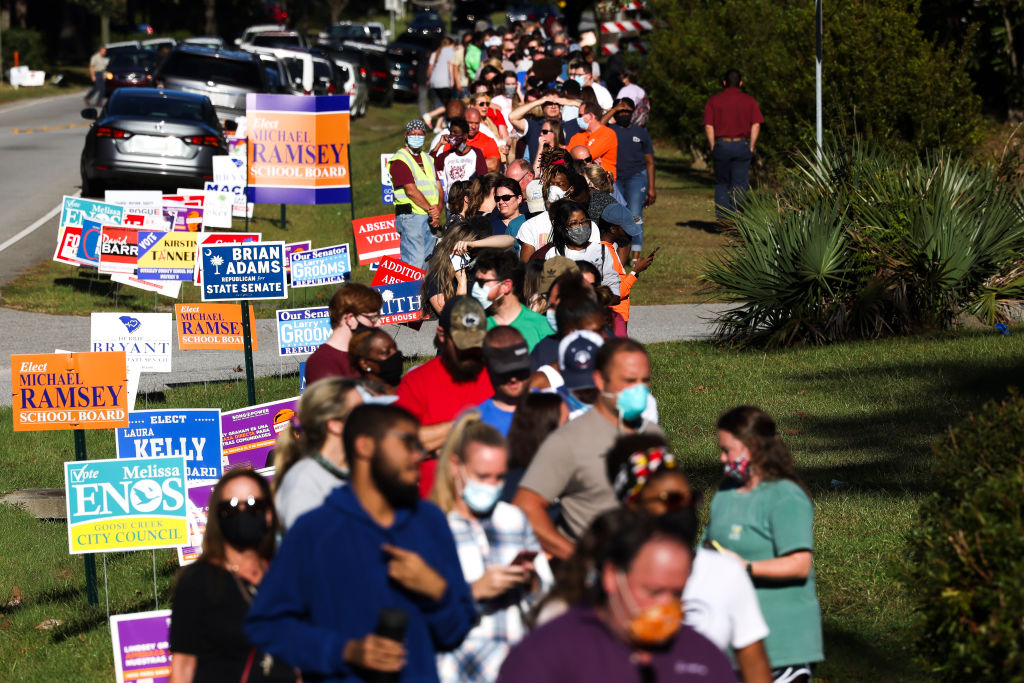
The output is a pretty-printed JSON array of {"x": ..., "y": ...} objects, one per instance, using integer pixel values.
[{"x": 863, "y": 414}]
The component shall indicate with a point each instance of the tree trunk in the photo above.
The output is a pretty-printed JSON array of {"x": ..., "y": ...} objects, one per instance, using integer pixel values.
[
  {"x": 104, "y": 28},
  {"x": 211, "y": 18}
]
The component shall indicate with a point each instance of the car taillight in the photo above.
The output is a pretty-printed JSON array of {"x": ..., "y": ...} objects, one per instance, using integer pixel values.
[
  {"x": 330, "y": 88},
  {"x": 362, "y": 72},
  {"x": 116, "y": 133},
  {"x": 379, "y": 74},
  {"x": 208, "y": 140}
]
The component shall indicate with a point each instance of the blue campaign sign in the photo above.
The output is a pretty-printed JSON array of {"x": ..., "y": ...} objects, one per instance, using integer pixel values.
[
  {"x": 89, "y": 244},
  {"x": 387, "y": 194},
  {"x": 324, "y": 266},
  {"x": 302, "y": 330},
  {"x": 191, "y": 433},
  {"x": 402, "y": 302},
  {"x": 234, "y": 272}
]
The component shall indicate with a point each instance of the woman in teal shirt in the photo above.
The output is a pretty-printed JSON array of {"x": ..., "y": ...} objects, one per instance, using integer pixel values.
[{"x": 762, "y": 515}]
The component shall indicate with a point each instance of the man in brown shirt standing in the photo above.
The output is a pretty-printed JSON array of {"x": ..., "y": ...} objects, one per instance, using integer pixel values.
[{"x": 732, "y": 122}]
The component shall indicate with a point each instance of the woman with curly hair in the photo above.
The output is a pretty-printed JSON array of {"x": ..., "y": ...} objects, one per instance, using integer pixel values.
[{"x": 446, "y": 266}]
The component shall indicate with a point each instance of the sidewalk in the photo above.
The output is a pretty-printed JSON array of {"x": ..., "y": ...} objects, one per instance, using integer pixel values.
[{"x": 22, "y": 332}]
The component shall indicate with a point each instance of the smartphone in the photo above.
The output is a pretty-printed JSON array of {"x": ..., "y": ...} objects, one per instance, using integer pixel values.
[
  {"x": 460, "y": 261},
  {"x": 523, "y": 557}
]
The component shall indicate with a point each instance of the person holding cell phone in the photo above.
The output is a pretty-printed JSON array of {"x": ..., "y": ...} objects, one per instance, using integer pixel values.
[{"x": 498, "y": 551}]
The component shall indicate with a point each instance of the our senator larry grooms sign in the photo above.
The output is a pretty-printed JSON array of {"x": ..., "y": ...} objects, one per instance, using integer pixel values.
[
  {"x": 233, "y": 272},
  {"x": 302, "y": 330},
  {"x": 69, "y": 391},
  {"x": 192, "y": 433},
  {"x": 324, "y": 266},
  {"x": 126, "y": 504},
  {"x": 298, "y": 149}
]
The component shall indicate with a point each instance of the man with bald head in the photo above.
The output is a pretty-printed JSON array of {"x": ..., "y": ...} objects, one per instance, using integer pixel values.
[
  {"x": 596, "y": 137},
  {"x": 482, "y": 142},
  {"x": 520, "y": 171}
]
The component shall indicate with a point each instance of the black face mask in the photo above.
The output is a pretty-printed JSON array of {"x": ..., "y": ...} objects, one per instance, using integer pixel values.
[
  {"x": 361, "y": 327},
  {"x": 391, "y": 369},
  {"x": 245, "y": 528},
  {"x": 624, "y": 118}
]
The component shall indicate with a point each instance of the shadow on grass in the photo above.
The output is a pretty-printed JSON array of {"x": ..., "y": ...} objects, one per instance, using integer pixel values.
[
  {"x": 851, "y": 657},
  {"x": 679, "y": 167},
  {"x": 96, "y": 617},
  {"x": 712, "y": 227}
]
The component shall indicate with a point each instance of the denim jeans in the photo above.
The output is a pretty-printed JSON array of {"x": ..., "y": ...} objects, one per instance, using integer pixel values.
[
  {"x": 732, "y": 174},
  {"x": 634, "y": 189},
  {"x": 417, "y": 240},
  {"x": 98, "y": 89}
]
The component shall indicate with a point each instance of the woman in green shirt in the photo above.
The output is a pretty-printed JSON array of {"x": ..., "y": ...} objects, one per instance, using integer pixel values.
[{"x": 762, "y": 515}]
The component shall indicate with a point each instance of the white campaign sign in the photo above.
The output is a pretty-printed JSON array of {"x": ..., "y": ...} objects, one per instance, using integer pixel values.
[{"x": 144, "y": 337}]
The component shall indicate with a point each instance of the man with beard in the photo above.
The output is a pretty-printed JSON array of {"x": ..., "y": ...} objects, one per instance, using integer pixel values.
[
  {"x": 440, "y": 389},
  {"x": 497, "y": 279},
  {"x": 372, "y": 545},
  {"x": 507, "y": 359}
]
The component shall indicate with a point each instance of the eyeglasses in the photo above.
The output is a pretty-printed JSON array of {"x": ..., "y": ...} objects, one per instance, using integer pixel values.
[
  {"x": 374, "y": 318},
  {"x": 578, "y": 224},
  {"x": 673, "y": 500},
  {"x": 504, "y": 197},
  {"x": 482, "y": 103},
  {"x": 587, "y": 160},
  {"x": 545, "y": 132},
  {"x": 230, "y": 508},
  {"x": 410, "y": 439}
]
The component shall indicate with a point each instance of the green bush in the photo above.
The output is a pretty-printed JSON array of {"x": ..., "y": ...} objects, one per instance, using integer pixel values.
[
  {"x": 965, "y": 570},
  {"x": 29, "y": 46}
]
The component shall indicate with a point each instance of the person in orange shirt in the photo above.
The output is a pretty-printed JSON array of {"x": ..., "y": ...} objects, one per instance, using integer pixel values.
[
  {"x": 614, "y": 234},
  {"x": 483, "y": 143},
  {"x": 599, "y": 139}
]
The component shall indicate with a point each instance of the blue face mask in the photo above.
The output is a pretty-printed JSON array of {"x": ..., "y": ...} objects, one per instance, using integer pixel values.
[
  {"x": 415, "y": 141},
  {"x": 631, "y": 401},
  {"x": 569, "y": 112},
  {"x": 581, "y": 123},
  {"x": 550, "y": 315},
  {"x": 480, "y": 497},
  {"x": 581, "y": 79},
  {"x": 481, "y": 294}
]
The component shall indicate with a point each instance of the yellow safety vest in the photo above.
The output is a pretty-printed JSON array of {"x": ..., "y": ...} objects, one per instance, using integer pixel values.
[{"x": 425, "y": 177}]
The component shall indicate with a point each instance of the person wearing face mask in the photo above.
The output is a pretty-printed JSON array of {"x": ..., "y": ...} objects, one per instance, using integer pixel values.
[
  {"x": 478, "y": 139},
  {"x": 597, "y": 137},
  {"x": 635, "y": 164},
  {"x": 576, "y": 236},
  {"x": 353, "y": 307},
  {"x": 497, "y": 282},
  {"x": 762, "y": 518},
  {"x": 583, "y": 73},
  {"x": 498, "y": 551},
  {"x": 309, "y": 460},
  {"x": 454, "y": 158},
  {"x": 508, "y": 363},
  {"x": 212, "y": 596},
  {"x": 570, "y": 463},
  {"x": 625, "y": 624},
  {"x": 418, "y": 195},
  {"x": 535, "y": 232},
  {"x": 375, "y": 356}
]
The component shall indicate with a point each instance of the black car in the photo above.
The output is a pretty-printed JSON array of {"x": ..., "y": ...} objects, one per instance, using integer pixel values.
[
  {"x": 145, "y": 137},
  {"x": 129, "y": 69},
  {"x": 409, "y": 68},
  {"x": 374, "y": 66},
  {"x": 427, "y": 24},
  {"x": 225, "y": 76}
]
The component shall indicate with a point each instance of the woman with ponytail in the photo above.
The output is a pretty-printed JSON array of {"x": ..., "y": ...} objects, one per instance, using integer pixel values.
[
  {"x": 763, "y": 517},
  {"x": 309, "y": 459}
]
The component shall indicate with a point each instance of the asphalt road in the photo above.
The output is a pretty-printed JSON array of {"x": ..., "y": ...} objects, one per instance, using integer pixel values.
[{"x": 40, "y": 144}]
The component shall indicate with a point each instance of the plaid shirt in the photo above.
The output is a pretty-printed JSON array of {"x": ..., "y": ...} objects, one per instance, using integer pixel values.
[{"x": 482, "y": 543}]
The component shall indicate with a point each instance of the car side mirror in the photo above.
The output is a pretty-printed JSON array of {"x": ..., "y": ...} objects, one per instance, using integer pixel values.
[
  {"x": 230, "y": 126},
  {"x": 89, "y": 113}
]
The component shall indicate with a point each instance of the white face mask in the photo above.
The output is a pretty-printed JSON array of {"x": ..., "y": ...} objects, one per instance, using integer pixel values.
[{"x": 555, "y": 193}]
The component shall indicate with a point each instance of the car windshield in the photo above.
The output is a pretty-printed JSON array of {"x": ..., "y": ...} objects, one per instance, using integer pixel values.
[
  {"x": 235, "y": 72},
  {"x": 264, "y": 40},
  {"x": 347, "y": 31},
  {"x": 156, "y": 108},
  {"x": 138, "y": 58},
  {"x": 321, "y": 70}
]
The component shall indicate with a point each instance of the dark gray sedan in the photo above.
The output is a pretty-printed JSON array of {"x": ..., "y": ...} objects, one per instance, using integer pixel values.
[{"x": 151, "y": 138}]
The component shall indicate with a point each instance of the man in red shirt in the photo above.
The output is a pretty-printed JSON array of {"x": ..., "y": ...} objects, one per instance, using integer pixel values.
[
  {"x": 732, "y": 122},
  {"x": 440, "y": 389},
  {"x": 599, "y": 139},
  {"x": 482, "y": 142},
  {"x": 352, "y": 306}
]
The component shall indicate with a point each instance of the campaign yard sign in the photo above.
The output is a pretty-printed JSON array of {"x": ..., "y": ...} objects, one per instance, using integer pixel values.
[
  {"x": 294, "y": 248},
  {"x": 145, "y": 203},
  {"x": 141, "y": 646},
  {"x": 391, "y": 271},
  {"x": 302, "y": 330},
  {"x": 221, "y": 238},
  {"x": 169, "y": 288},
  {"x": 69, "y": 391},
  {"x": 88, "y": 253},
  {"x": 192, "y": 433},
  {"x": 233, "y": 272},
  {"x": 115, "y": 505},
  {"x": 184, "y": 218},
  {"x": 387, "y": 193},
  {"x": 67, "y": 245},
  {"x": 250, "y": 433},
  {"x": 298, "y": 149},
  {"x": 166, "y": 255},
  {"x": 75, "y": 209},
  {"x": 144, "y": 337},
  {"x": 198, "y": 502},
  {"x": 212, "y": 326},
  {"x": 402, "y": 302},
  {"x": 119, "y": 249},
  {"x": 324, "y": 266},
  {"x": 376, "y": 238}
]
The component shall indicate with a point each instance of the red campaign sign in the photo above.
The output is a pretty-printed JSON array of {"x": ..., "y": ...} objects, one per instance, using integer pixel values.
[
  {"x": 67, "y": 245},
  {"x": 390, "y": 271},
  {"x": 376, "y": 238},
  {"x": 134, "y": 219},
  {"x": 119, "y": 249}
]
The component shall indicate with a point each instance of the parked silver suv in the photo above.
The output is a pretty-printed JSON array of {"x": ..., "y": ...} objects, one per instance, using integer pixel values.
[{"x": 225, "y": 76}]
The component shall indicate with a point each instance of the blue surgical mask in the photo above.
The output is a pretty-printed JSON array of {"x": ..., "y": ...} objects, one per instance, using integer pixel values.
[
  {"x": 415, "y": 141},
  {"x": 581, "y": 79},
  {"x": 481, "y": 294},
  {"x": 569, "y": 112},
  {"x": 481, "y": 497},
  {"x": 550, "y": 315},
  {"x": 581, "y": 123},
  {"x": 631, "y": 401}
]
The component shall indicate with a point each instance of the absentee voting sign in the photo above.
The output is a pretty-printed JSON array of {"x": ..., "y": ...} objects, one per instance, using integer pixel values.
[
  {"x": 325, "y": 266},
  {"x": 233, "y": 272},
  {"x": 302, "y": 330},
  {"x": 376, "y": 238},
  {"x": 298, "y": 149},
  {"x": 192, "y": 433},
  {"x": 115, "y": 505}
]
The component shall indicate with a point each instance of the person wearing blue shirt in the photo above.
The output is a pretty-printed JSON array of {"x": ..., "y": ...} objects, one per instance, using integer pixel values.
[
  {"x": 507, "y": 358},
  {"x": 372, "y": 545}
]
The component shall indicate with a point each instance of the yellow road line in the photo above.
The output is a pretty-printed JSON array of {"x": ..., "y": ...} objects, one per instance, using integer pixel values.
[{"x": 44, "y": 129}]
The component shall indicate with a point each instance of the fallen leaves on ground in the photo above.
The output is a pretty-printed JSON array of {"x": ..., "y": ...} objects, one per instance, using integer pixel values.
[{"x": 48, "y": 624}]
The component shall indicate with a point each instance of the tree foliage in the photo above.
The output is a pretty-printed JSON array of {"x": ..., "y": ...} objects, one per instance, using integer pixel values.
[{"x": 882, "y": 77}]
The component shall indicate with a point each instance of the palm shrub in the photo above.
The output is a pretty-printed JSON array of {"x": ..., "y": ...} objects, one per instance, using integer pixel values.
[{"x": 866, "y": 243}]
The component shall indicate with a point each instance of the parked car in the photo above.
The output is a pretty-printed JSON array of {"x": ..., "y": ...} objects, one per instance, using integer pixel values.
[
  {"x": 374, "y": 66},
  {"x": 146, "y": 137},
  {"x": 225, "y": 76},
  {"x": 524, "y": 10},
  {"x": 408, "y": 66},
  {"x": 372, "y": 33},
  {"x": 352, "y": 82},
  {"x": 122, "y": 46},
  {"x": 129, "y": 69},
  {"x": 427, "y": 24},
  {"x": 278, "y": 79},
  {"x": 156, "y": 44},
  {"x": 277, "y": 39},
  {"x": 247, "y": 34},
  {"x": 215, "y": 42}
]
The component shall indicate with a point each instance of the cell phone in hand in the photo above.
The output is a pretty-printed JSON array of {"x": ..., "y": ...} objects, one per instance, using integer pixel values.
[
  {"x": 460, "y": 261},
  {"x": 524, "y": 557}
]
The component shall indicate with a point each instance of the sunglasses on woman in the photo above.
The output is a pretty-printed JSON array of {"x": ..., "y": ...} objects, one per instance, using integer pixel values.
[
  {"x": 673, "y": 500},
  {"x": 230, "y": 508},
  {"x": 504, "y": 197},
  {"x": 482, "y": 103},
  {"x": 545, "y": 131}
]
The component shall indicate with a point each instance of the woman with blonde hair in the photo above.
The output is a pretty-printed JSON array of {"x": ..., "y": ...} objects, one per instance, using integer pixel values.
[
  {"x": 498, "y": 551},
  {"x": 309, "y": 459},
  {"x": 446, "y": 274}
]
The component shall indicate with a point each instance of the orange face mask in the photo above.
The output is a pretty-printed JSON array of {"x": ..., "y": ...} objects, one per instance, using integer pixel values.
[{"x": 648, "y": 627}]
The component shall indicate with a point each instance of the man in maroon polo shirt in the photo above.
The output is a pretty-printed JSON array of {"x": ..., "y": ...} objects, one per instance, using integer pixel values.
[{"x": 732, "y": 122}]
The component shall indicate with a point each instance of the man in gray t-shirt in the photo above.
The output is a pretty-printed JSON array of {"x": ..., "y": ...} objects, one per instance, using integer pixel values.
[
  {"x": 570, "y": 463},
  {"x": 97, "y": 68}
]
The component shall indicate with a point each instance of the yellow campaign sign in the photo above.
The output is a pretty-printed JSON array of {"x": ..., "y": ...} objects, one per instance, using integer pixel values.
[
  {"x": 51, "y": 391},
  {"x": 167, "y": 255}
]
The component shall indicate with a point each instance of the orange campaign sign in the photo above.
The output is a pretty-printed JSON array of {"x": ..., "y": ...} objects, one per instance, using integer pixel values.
[
  {"x": 298, "y": 149},
  {"x": 51, "y": 391},
  {"x": 212, "y": 326}
]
